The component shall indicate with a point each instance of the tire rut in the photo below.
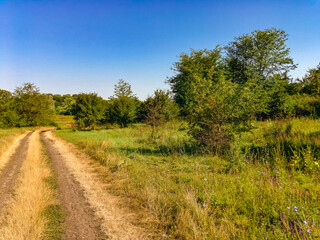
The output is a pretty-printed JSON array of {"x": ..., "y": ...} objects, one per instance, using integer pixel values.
[
  {"x": 10, "y": 172},
  {"x": 80, "y": 221}
]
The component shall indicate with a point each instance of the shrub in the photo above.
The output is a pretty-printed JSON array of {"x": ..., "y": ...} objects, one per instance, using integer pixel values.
[{"x": 89, "y": 110}]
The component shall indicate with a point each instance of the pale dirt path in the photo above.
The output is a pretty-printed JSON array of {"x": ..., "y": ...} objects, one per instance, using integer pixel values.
[
  {"x": 77, "y": 177},
  {"x": 22, "y": 218},
  {"x": 80, "y": 222},
  {"x": 10, "y": 165}
]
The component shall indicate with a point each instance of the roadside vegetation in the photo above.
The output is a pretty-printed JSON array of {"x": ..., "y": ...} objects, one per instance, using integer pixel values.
[
  {"x": 7, "y": 136},
  {"x": 267, "y": 187}
]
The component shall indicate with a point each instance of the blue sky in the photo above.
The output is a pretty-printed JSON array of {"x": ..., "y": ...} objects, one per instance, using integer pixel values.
[{"x": 86, "y": 46}]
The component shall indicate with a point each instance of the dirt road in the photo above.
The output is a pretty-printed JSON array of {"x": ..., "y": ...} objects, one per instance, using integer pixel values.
[
  {"x": 91, "y": 212},
  {"x": 10, "y": 172}
]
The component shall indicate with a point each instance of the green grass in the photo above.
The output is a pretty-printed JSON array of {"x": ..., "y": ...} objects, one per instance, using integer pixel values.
[
  {"x": 251, "y": 193},
  {"x": 64, "y": 121},
  {"x": 53, "y": 213}
]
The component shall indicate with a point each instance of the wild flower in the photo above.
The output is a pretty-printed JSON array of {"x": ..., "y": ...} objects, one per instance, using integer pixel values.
[
  {"x": 308, "y": 231},
  {"x": 288, "y": 207},
  {"x": 295, "y": 209},
  {"x": 203, "y": 205},
  {"x": 205, "y": 179},
  {"x": 305, "y": 222}
]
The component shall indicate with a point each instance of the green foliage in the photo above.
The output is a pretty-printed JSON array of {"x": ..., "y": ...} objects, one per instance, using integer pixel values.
[
  {"x": 122, "y": 89},
  {"x": 32, "y": 107},
  {"x": 89, "y": 110},
  {"x": 8, "y": 115},
  {"x": 64, "y": 104},
  {"x": 159, "y": 108},
  {"x": 260, "y": 54},
  {"x": 123, "y": 106},
  {"x": 196, "y": 73},
  {"x": 311, "y": 81},
  {"x": 226, "y": 111},
  {"x": 123, "y": 110}
]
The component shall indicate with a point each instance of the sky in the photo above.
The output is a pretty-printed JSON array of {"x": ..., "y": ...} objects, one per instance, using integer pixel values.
[{"x": 73, "y": 46}]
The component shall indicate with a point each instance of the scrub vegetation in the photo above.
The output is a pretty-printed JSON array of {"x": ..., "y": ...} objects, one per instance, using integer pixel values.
[{"x": 267, "y": 186}]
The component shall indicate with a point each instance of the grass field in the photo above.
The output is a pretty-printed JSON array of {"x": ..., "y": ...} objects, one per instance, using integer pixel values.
[
  {"x": 266, "y": 188},
  {"x": 64, "y": 121}
]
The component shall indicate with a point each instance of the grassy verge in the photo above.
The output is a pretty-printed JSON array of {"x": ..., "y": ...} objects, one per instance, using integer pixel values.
[
  {"x": 255, "y": 193},
  {"x": 64, "y": 121},
  {"x": 53, "y": 213},
  {"x": 7, "y": 136}
]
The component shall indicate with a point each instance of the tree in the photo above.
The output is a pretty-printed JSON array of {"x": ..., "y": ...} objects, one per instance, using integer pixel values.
[
  {"x": 260, "y": 54},
  {"x": 122, "y": 89},
  {"x": 33, "y": 108},
  {"x": 123, "y": 105},
  {"x": 196, "y": 73},
  {"x": 311, "y": 81},
  {"x": 227, "y": 110},
  {"x": 64, "y": 104},
  {"x": 8, "y": 116},
  {"x": 159, "y": 108},
  {"x": 89, "y": 110}
]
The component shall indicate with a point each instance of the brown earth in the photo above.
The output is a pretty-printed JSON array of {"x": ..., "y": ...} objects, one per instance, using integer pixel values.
[
  {"x": 11, "y": 170},
  {"x": 81, "y": 222}
]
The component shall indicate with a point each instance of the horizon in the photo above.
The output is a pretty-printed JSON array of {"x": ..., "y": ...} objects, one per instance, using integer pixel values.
[{"x": 80, "y": 46}]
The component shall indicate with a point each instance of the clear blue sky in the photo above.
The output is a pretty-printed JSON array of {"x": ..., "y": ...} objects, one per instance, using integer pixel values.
[{"x": 86, "y": 46}]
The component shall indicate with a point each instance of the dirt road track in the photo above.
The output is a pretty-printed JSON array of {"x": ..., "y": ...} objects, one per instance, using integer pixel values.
[
  {"x": 81, "y": 222},
  {"x": 92, "y": 213},
  {"x": 10, "y": 172}
]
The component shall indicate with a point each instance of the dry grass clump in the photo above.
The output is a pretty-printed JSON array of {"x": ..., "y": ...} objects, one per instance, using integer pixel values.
[
  {"x": 23, "y": 217},
  {"x": 9, "y": 141}
]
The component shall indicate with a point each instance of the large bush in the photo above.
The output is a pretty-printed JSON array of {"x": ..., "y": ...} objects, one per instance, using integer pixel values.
[
  {"x": 89, "y": 110},
  {"x": 159, "y": 108},
  {"x": 123, "y": 106},
  {"x": 32, "y": 107}
]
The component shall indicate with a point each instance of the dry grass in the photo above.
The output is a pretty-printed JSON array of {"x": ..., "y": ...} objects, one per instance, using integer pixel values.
[
  {"x": 9, "y": 141},
  {"x": 117, "y": 221},
  {"x": 23, "y": 217}
]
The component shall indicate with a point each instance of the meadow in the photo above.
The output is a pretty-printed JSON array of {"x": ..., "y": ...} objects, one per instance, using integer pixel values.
[{"x": 265, "y": 188}]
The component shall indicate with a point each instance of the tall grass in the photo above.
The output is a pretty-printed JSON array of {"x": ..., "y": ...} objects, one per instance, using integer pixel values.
[
  {"x": 7, "y": 136},
  {"x": 254, "y": 192},
  {"x": 26, "y": 215}
]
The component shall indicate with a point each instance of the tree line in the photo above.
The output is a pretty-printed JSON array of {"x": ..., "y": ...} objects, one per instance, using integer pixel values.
[{"x": 218, "y": 91}]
